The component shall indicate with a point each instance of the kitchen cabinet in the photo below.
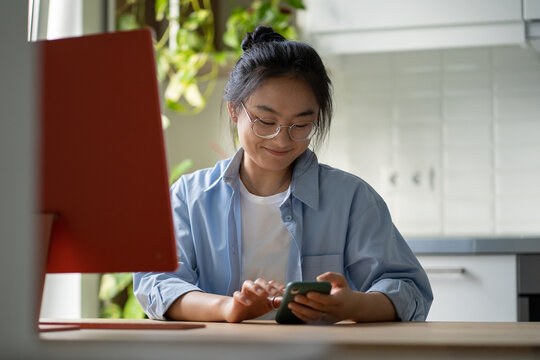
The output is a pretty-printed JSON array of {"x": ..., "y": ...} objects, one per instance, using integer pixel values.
[
  {"x": 531, "y": 14},
  {"x": 472, "y": 287},
  {"x": 531, "y": 9},
  {"x": 356, "y": 26}
]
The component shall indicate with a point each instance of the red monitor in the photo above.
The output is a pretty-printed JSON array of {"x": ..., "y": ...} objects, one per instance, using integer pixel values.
[
  {"x": 104, "y": 193},
  {"x": 103, "y": 166}
]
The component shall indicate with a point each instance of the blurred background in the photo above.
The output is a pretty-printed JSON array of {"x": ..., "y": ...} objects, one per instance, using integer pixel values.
[{"x": 437, "y": 106}]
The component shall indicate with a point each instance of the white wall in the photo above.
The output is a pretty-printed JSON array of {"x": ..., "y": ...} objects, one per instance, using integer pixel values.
[{"x": 465, "y": 123}]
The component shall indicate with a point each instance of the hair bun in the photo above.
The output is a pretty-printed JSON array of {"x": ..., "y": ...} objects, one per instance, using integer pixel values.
[{"x": 262, "y": 34}]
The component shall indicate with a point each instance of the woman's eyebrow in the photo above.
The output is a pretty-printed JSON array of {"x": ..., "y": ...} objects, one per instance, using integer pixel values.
[{"x": 269, "y": 109}]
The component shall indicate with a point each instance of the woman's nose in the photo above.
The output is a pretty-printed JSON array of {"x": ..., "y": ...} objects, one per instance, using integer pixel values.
[{"x": 283, "y": 136}]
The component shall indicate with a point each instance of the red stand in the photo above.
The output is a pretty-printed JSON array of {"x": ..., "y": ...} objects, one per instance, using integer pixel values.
[{"x": 44, "y": 225}]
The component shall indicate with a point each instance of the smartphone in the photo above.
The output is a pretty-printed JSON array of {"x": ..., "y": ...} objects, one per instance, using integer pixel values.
[{"x": 284, "y": 314}]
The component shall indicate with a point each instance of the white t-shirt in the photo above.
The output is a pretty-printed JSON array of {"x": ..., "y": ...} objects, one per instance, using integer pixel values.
[{"x": 265, "y": 239}]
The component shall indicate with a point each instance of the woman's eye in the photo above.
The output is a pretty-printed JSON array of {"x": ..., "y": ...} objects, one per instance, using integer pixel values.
[
  {"x": 301, "y": 125},
  {"x": 267, "y": 122}
]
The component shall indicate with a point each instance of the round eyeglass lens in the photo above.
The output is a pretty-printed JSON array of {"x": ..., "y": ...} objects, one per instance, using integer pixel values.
[
  {"x": 302, "y": 131},
  {"x": 265, "y": 128}
]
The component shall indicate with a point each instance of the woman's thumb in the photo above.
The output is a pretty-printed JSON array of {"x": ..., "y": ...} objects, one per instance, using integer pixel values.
[{"x": 337, "y": 280}]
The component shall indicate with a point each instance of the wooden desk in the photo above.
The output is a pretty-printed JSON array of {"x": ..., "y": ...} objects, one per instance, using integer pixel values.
[{"x": 345, "y": 340}]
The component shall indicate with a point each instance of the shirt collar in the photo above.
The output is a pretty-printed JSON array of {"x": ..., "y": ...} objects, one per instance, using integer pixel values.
[
  {"x": 232, "y": 171},
  {"x": 305, "y": 177}
]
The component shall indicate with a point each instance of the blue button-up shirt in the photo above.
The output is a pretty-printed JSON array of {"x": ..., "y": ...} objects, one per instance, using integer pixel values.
[{"x": 337, "y": 223}]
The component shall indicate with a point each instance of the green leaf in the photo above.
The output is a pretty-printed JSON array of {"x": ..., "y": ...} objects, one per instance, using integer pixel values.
[
  {"x": 112, "y": 284},
  {"x": 196, "y": 19},
  {"x": 194, "y": 41},
  {"x": 163, "y": 66},
  {"x": 264, "y": 13},
  {"x": 176, "y": 106},
  {"x": 193, "y": 95},
  {"x": 111, "y": 311},
  {"x": 127, "y": 22},
  {"x": 289, "y": 33},
  {"x": 222, "y": 57},
  {"x": 230, "y": 37},
  {"x": 175, "y": 88},
  {"x": 180, "y": 170},
  {"x": 161, "y": 9},
  {"x": 297, "y": 4},
  {"x": 132, "y": 308},
  {"x": 165, "y": 122}
]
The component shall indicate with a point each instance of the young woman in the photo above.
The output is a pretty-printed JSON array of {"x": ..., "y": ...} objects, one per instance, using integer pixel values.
[{"x": 272, "y": 214}]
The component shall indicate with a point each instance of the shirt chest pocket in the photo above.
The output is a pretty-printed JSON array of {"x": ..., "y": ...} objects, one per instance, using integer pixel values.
[{"x": 313, "y": 266}]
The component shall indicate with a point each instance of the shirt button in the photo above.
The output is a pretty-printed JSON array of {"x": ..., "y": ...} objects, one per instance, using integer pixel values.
[{"x": 288, "y": 218}]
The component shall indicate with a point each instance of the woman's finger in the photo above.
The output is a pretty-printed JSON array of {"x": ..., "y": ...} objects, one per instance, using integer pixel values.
[
  {"x": 276, "y": 288},
  {"x": 274, "y": 301},
  {"x": 337, "y": 280},
  {"x": 323, "y": 299},
  {"x": 312, "y": 303},
  {"x": 263, "y": 284},
  {"x": 252, "y": 288},
  {"x": 271, "y": 287},
  {"x": 306, "y": 314},
  {"x": 277, "y": 301},
  {"x": 241, "y": 298}
]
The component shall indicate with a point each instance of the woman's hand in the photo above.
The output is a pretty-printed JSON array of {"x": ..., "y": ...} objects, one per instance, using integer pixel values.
[
  {"x": 252, "y": 300},
  {"x": 342, "y": 304}
]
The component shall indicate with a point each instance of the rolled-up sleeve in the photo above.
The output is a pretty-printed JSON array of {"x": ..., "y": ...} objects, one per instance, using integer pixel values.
[
  {"x": 378, "y": 259},
  {"x": 156, "y": 292}
]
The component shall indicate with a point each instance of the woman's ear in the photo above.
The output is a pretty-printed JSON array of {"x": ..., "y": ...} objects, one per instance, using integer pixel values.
[{"x": 233, "y": 112}]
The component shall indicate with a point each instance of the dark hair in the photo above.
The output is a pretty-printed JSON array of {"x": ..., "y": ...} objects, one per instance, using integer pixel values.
[{"x": 269, "y": 55}]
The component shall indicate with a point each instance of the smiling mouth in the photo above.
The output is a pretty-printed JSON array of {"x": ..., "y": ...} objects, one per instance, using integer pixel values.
[{"x": 276, "y": 152}]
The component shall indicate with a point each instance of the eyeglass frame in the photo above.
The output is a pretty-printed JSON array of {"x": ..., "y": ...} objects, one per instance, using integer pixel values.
[{"x": 279, "y": 127}]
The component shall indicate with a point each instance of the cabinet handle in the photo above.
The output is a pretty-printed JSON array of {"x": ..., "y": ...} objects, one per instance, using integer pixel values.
[{"x": 446, "y": 270}]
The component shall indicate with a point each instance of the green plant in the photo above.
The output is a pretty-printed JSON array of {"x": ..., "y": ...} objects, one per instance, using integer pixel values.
[
  {"x": 118, "y": 300},
  {"x": 187, "y": 59},
  {"x": 188, "y": 66}
]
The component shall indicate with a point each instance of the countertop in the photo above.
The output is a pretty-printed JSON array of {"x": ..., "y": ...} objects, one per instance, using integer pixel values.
[
  {"x": 344, "y": 340},
  {"x": 474, "y": 245}
]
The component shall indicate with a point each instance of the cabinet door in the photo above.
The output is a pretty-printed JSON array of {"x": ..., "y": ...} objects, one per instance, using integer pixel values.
[
  {"x": 364, "y": 26},
  {"x": 472, "y": 288},
  {"x": 348, "y": 15},
  {"x": 531, "y": 9}
]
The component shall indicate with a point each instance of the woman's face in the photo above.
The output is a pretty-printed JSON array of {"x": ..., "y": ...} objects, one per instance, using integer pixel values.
[{"x": 286, "y": 101}]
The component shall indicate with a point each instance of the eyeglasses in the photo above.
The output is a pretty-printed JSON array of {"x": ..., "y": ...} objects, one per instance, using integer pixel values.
[{"x": 269, "y": 129}]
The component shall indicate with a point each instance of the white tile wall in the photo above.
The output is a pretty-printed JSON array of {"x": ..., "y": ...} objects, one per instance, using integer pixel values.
[
  {"x": 422, "y": 109},
  {"x": 518, "y": 183},
  {"x": 467, "y": 106},
  {"x": 513, "y": 57},
  {"x": 451, "y": 139},
  {"x": 466, "y": 160},
  {"x": 518, "y": 132},
  {"x": 518, "y": 157},
  {"x": 517, "y": 104},
  {"x": 467, "y": 134},
  {"x": 472, "y": 185},
  {"x": 468, "y": 216},
  {"x": 467, "y": 60},
  {"x": 465, "y": 82}
]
